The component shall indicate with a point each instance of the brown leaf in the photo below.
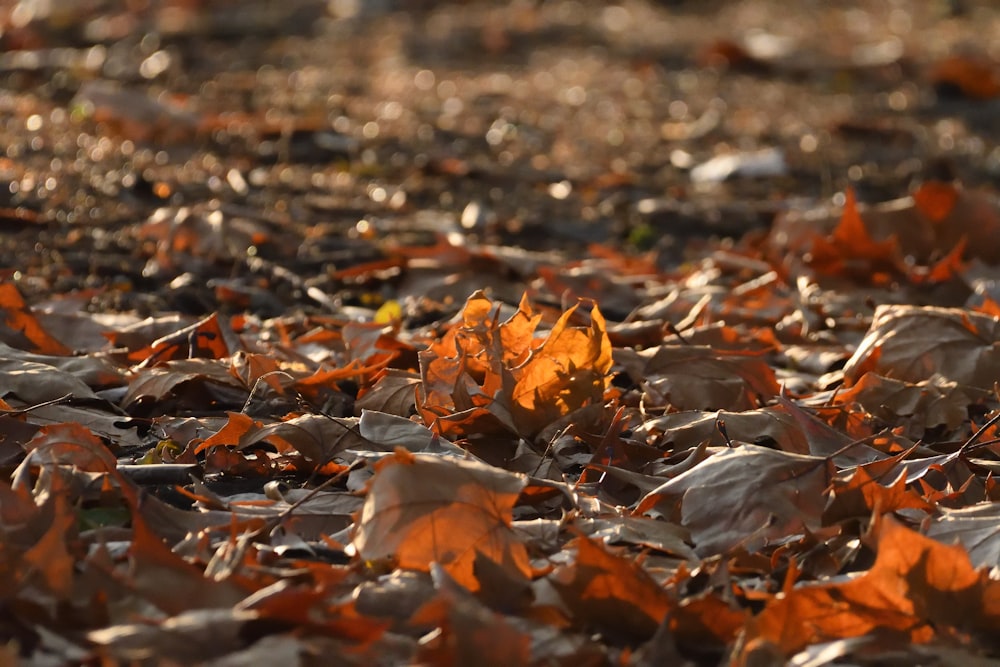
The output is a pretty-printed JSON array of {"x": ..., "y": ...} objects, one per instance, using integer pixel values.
[
  {"x": 34, "y": 382},
  {"x": 860, "y": 495},
  {"x": 70, "y": 444},
  {"x": 181, "y": 378},
  {"x": 609, "y": 592},
  {"x": 921, "y": 405},
  {"x": 744, "y": 496},
  {"x": 422, "y": 509},
  {"x": 50, "y": 557},
  {"x": 394, "y": 392},
  {"x": 917, "y": 587},
  {"x": 202, "y": 340},
  {"x": 976, "y": 528},
  {"x": 694, "y": 377},
  {"x": 686, "y": 430},
  {"x": 912, "y": 343},
  {"x": 470, "y": 633},
  {"x": 168, "y": 581}
]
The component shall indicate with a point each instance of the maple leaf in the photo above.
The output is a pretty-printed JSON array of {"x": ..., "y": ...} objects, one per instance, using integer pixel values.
[
  {"x": 860, "y": 495},
  {"x": 485, "y": 372},
  {"x": 698, "y": 377},
  {"x": 610, "y": 592},
  {"x": 470, "y": 632},
  {"x": 422, "y": 509},
  {"x": 686, "y": 430},
  {"x": 918, "y": 405},
  {"x": 917, "y": 587},
  {"x": 49, "y": 559},
  {"x": 851, "y": 251},
  {"x": 976, "y": 528},
  {"x": 166, "y": 580},
  {"x": 913, "y": 343},
  {"x": 746, "y": 495},
  {"x": 568, "y": 371},
  {"x": 70, "y": 444}
]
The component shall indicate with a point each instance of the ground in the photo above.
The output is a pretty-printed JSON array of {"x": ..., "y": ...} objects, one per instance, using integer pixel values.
[{"x": 266, "y": 244}]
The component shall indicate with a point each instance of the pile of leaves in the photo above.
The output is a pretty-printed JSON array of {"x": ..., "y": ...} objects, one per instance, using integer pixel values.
[
  {"x": 282, "y": 383},
  {"x": 775, "y": 455}
]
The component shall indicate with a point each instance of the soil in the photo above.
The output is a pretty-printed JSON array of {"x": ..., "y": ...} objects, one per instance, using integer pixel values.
[{"x": 154, "y": 153}]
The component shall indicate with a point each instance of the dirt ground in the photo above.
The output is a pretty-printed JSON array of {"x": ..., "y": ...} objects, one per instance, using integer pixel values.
[{"x": 300, "y": 139}]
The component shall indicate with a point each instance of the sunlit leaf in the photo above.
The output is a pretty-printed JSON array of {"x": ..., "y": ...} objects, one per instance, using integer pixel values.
[{"x": 421, "y": 509}]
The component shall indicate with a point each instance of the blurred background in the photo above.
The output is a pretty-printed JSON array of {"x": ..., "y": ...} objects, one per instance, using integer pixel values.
[{"x": 332, "y": 128}]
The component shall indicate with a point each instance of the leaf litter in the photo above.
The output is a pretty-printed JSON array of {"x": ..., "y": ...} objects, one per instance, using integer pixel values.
[{"x": 311, "y": 383}]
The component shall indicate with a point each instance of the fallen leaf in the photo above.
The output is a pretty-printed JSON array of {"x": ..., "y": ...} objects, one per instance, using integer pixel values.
[
  {"x": 422, "y": 509},
  {"x": 690, "y": 377},
  {"x": 745, "y": 496},
  {"x": 914, "y": 343},
  {"x": 21, "y": 328},
  {"x": 917, "y": 587},
  {"x": 610, "y": 593},
  {"x": 973, "y": 78},
  {"x": 859, "y": 496}
]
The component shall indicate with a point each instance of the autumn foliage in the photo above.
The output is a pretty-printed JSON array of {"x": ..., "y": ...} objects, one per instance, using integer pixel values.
[
  {"x": 519, "y": 476},
  {"x": 775, "y": 448}
]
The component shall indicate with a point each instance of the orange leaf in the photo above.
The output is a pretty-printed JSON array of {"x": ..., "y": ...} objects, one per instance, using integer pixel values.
[
  {"x": 916, "y": 586},
  {"x": 238, "y": 426},
  {"x": 170, "y": 582},
  {"x": 567, "y": 372},
  {"x": 611, "y": 592},
  {"x": 484, "y": 368},
  {"x": 861, "y": 494},
  {"x": 22, "y": 330},
  {"x": 936, "y": 199},
  {"x": 850, "y": 249},
  {"x": 422, "y": 509},
  {"x": 71, "y": 444},
  {"x": 49, "y": 557},
  {"x": 972, "y": 77}
]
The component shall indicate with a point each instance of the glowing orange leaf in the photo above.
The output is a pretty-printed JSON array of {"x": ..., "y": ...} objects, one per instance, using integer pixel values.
[{"x": 567, "y": 372}]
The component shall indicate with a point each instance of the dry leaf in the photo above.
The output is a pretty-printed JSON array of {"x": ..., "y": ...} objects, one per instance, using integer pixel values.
[{"x": 423, "y": 509}]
